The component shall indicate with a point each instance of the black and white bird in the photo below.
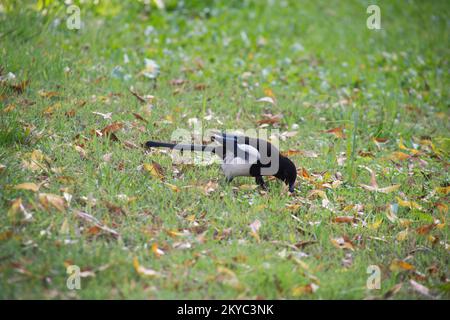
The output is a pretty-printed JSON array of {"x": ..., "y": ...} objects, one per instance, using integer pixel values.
[{"x": 243, "y": 156}]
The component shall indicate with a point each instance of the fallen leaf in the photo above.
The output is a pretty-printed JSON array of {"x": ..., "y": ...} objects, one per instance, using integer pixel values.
[
  {"x": 342, "y": 243},
  {"x": 408, "y": 204},
  {"x": 338, "y": 132},
  {"x": 400, "y": 265},
  {"x": 302, "y": 290},
  {"x": 48, "y": 94},
  {"x": 402, "y": 235},
  {"x": 269, "y": 118},
  {"x": 47, "y": 199},
  {"x": 27, "y": 186},
  {"x": 139, "y": 117},
  {"x": 266, "y": 99},
  {"x": 254, "y": 227},
  {"x": 154, "y": 169},
  {"x": 344, "y": 219},
  {"x": 142, "y": 271},
  {"x": 399, "y": 156},
  {"x": 112, "y": 128},
  {"x": 156, "y": 251}
]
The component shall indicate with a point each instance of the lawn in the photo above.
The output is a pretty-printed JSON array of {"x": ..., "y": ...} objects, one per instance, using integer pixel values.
[{"x": 362, "y": 113}]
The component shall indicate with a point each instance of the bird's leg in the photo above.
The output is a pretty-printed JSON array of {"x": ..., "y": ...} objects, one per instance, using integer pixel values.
[{"x": 259, "y": 180}]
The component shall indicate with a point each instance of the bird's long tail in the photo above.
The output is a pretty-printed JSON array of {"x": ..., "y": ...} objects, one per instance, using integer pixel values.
[{"x": 181, "y": 147}]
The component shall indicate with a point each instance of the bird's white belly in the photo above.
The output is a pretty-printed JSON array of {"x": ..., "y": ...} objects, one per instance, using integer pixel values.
[{"x": 235, "y": 167}]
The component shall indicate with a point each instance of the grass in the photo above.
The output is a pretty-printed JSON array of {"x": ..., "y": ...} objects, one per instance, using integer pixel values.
[{"x": 325, "y": 70}]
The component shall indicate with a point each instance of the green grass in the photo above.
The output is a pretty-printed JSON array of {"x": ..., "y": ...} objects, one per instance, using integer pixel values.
[{"x": 325, "y": 69}]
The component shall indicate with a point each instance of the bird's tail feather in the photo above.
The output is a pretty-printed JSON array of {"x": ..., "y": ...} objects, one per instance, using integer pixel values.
[{"x": 179, "y": 146}]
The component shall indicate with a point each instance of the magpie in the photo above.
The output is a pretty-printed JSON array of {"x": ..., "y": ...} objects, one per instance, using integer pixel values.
[{"x": 243, "y": 156}]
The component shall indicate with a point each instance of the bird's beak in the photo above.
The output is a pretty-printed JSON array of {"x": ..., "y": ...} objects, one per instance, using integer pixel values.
[{"x": 291, "y": 187}]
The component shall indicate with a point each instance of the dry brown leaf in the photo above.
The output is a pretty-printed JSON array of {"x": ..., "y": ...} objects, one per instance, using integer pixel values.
[
  {"x": 48, "y": 94},
  {"x": 342, "y": 243},
  {"x": 27, "y": 186},
  {"x": 344, "y": 219},
  {"x": 112, "y": 128},
  {"x": 139, "y": 117},
  {"x": 338, "y": 132},
  {"x": 49, "y": 199},
  {"x": 269, "y": 118}
]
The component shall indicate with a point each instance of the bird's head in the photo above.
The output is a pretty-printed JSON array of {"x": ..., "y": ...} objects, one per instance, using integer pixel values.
[{"x": 287, "y": 172}]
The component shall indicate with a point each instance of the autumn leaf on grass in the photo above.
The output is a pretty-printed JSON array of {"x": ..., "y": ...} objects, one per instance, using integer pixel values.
[
  {"x": 16, "y": 206},
  {"x": 403, "y": 147},
  {"x": 172, "y": 187},
  {"x": 48, "y": 199},
  {"x": 408, "y": 204},
  {"x": 27, "y": 186},
  {"x": 443, "y": 190},
  {"x": 254, "y": 227},
  {"x": 156, "y": 250},
  {"x": 344, "y": 219},
  {"x": 48, "y": 94},
  {"x": 51, "y": 109},
  {"x": 402, "y": 235},
  {"x": 139, "y": 117},
  {"x": 374, "y": 185},
  {"x": 112, "y": 128},
  {"x": 302, "y": 290},
  {"x": 338, "y": 132},
  {"x": 425, "y": 229},
  {"x": 269, "y": 118},
  {"x": 266, "y": 99},
  {"x": 399, "y": 156},
  {"x": 228, "y": 277},
  {"x": 342, "y": 243},
  {"x": 154, "y": 169},
  {"x": 400, "y": 265},
  {"x": 291, "y": 152},
  {"x": 142, "y": 271}
]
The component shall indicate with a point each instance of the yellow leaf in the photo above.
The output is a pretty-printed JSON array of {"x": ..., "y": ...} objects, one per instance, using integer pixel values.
[
  {"x": 65, "y": 227},
  {"x": 443, "y": 190},
  {"x": 154, "y": 169},
  {"x": 142, "y": 271},
  {"x": 302, "y": 290},
  {"x": 408, "y": 204},
  {"x": 399, "y": 156},
  {"x": 376, "y": 224},
  {"x": 9, "y": 108},
  {"x": 16, "y": 206},
  {"x": 173, "y": 187},
  {"x": 403, "y": 235},
  {"x": 27, "y": 186}
]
